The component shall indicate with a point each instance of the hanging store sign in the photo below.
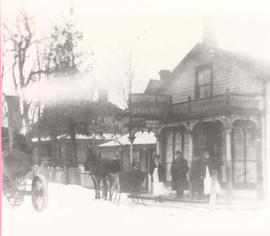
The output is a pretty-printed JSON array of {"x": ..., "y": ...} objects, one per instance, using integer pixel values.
[{"x": 150, "y": 106}]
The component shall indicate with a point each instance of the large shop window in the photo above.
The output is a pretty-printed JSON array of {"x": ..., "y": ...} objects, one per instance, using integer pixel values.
[
  {"x": 204, "y": 83},
  {"x": 244, "y": 155},
  {"x": 173, "y": 141}
]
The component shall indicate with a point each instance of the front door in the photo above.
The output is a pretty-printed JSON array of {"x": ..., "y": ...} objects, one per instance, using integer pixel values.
[{"x": 207, "y": 137}]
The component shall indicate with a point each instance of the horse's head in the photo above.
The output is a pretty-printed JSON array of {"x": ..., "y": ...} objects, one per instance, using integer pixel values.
[{"x": 91, "y": 160}]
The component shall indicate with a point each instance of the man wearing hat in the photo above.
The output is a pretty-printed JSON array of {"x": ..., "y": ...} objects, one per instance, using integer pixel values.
[{"x": 179, "y": 172}]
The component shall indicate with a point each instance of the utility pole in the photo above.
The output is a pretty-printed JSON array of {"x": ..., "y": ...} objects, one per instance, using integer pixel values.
[
  {"x": 130, "y": 78},
  {"x": 131, "y": 133}
]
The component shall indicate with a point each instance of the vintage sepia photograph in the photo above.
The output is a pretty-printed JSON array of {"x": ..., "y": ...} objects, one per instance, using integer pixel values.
[{"x": 126, "y": 117}]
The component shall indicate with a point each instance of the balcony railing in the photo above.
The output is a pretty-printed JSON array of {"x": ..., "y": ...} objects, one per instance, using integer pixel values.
[{"x": 224, "y": 103}]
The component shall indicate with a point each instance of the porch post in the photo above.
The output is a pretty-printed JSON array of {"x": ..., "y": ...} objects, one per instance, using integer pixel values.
[
  {"x": 190, "y": 153},
  {"x": 158, "y": 144},
  {"x": 190, "y": 145},
  {"x": 228, "y": 132},
  {"x": 131, "y": 138}
]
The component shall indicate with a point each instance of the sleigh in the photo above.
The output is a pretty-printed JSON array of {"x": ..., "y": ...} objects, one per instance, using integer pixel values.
[{"x": 130, "y": 182}]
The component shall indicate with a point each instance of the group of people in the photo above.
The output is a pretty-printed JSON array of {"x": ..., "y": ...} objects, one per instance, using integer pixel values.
[{"x": 201, "y": 173}]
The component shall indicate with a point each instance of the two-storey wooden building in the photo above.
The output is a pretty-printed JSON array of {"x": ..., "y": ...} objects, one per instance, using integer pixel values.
[{"x": 216, "y": 106}]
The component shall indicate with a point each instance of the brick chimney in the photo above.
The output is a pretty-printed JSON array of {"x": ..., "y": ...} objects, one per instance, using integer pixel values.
[
  {"x": 164, "y": 74},
  {"x": 102, "y": 95}
]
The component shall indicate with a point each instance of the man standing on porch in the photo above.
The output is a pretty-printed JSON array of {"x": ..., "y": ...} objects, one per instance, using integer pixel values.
[{"x": 179, "y": 172}]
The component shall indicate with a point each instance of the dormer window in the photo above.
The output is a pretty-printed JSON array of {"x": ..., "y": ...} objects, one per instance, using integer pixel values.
[{"x": 203, "y": 83}]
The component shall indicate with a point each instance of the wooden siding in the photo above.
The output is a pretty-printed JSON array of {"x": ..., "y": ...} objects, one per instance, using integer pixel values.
[{"x": 227, "y": 73}]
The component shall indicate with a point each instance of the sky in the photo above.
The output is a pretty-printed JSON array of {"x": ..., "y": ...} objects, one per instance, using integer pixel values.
[{"x": 157, "y": 33}]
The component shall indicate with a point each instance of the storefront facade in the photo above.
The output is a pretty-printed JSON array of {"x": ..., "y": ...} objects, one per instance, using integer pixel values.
[{"x": 216, "y": 107}]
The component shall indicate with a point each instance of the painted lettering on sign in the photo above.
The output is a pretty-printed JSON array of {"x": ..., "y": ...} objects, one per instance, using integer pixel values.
[
  {"x": 143, "y": 98},
  {"x": 158, "y": 106}
]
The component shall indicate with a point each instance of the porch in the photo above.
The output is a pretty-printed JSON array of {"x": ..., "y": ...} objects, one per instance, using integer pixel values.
[
  {"x": 227, "y": 103},
  {"x": 233, "y": 141}
]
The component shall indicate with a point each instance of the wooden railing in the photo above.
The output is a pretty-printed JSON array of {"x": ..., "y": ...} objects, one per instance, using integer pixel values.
[{"x": 227, "y": 102}]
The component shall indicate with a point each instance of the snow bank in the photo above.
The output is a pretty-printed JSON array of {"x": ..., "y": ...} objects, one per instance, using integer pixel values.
[{"x": 72, "y": 210}]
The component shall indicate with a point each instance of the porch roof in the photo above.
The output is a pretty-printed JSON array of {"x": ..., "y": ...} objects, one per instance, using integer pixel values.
[
  {"x": 142, "y": 138},
  {"x": 106, "y": 136}
]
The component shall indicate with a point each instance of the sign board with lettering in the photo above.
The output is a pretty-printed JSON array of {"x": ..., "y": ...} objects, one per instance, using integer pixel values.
[{"x": 151, "y": 106}]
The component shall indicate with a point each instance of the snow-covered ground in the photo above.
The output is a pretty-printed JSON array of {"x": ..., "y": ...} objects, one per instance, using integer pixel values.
[{"x": 72, "y": 210}]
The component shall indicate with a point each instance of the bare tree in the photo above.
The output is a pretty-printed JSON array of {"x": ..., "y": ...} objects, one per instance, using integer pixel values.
[{"x": 20, "y": 43}]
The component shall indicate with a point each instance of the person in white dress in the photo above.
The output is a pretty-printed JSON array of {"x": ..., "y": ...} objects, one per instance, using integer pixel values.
[
  {"x": 157, "y": 173},
  {"x": 210, "y": 174}
]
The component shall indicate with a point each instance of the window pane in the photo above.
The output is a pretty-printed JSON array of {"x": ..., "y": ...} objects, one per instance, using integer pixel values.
[
  {"x": 201, "y": 92},
  {"x": 239, "y": 172},
  {"x": 178, "y": 141},
  {"x": 168, "y": 171},
  {"x": 170, "y": 138},
  {"x": 201, "y": 77},
  {"x": 250, "y": 132},
  {"x": 204, "y": 91},
  {"x": 169, "y": 153},
  {"x": 207, "y": 76},
  {"x": 200, "y": 142},
  {"x": 251, "y": 149},
  {"x": 251, "y": 172},
  {"x": 238, "y": 133},
  {"x": 238, "y": 150}
]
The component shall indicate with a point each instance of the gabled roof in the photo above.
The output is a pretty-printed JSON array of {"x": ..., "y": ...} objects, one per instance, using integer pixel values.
[
  {"x": 244, "y": 60},
  {"x": 152, "y": 86},
  {"x": 85, "y": 111},
  {"x": 142, "y": 138},
  {"x": 253, "y": 64},
  {"x": 105, "y": 137}
]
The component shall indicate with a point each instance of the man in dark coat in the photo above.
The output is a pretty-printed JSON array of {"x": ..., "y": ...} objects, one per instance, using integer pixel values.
[{"x": 179, "y": 172}]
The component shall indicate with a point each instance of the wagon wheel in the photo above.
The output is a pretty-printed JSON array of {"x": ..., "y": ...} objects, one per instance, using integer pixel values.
[{"x": 39, "y": 193}]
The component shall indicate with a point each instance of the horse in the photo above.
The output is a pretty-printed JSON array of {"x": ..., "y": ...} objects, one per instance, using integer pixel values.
[{"x": 102, "y": 170}]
